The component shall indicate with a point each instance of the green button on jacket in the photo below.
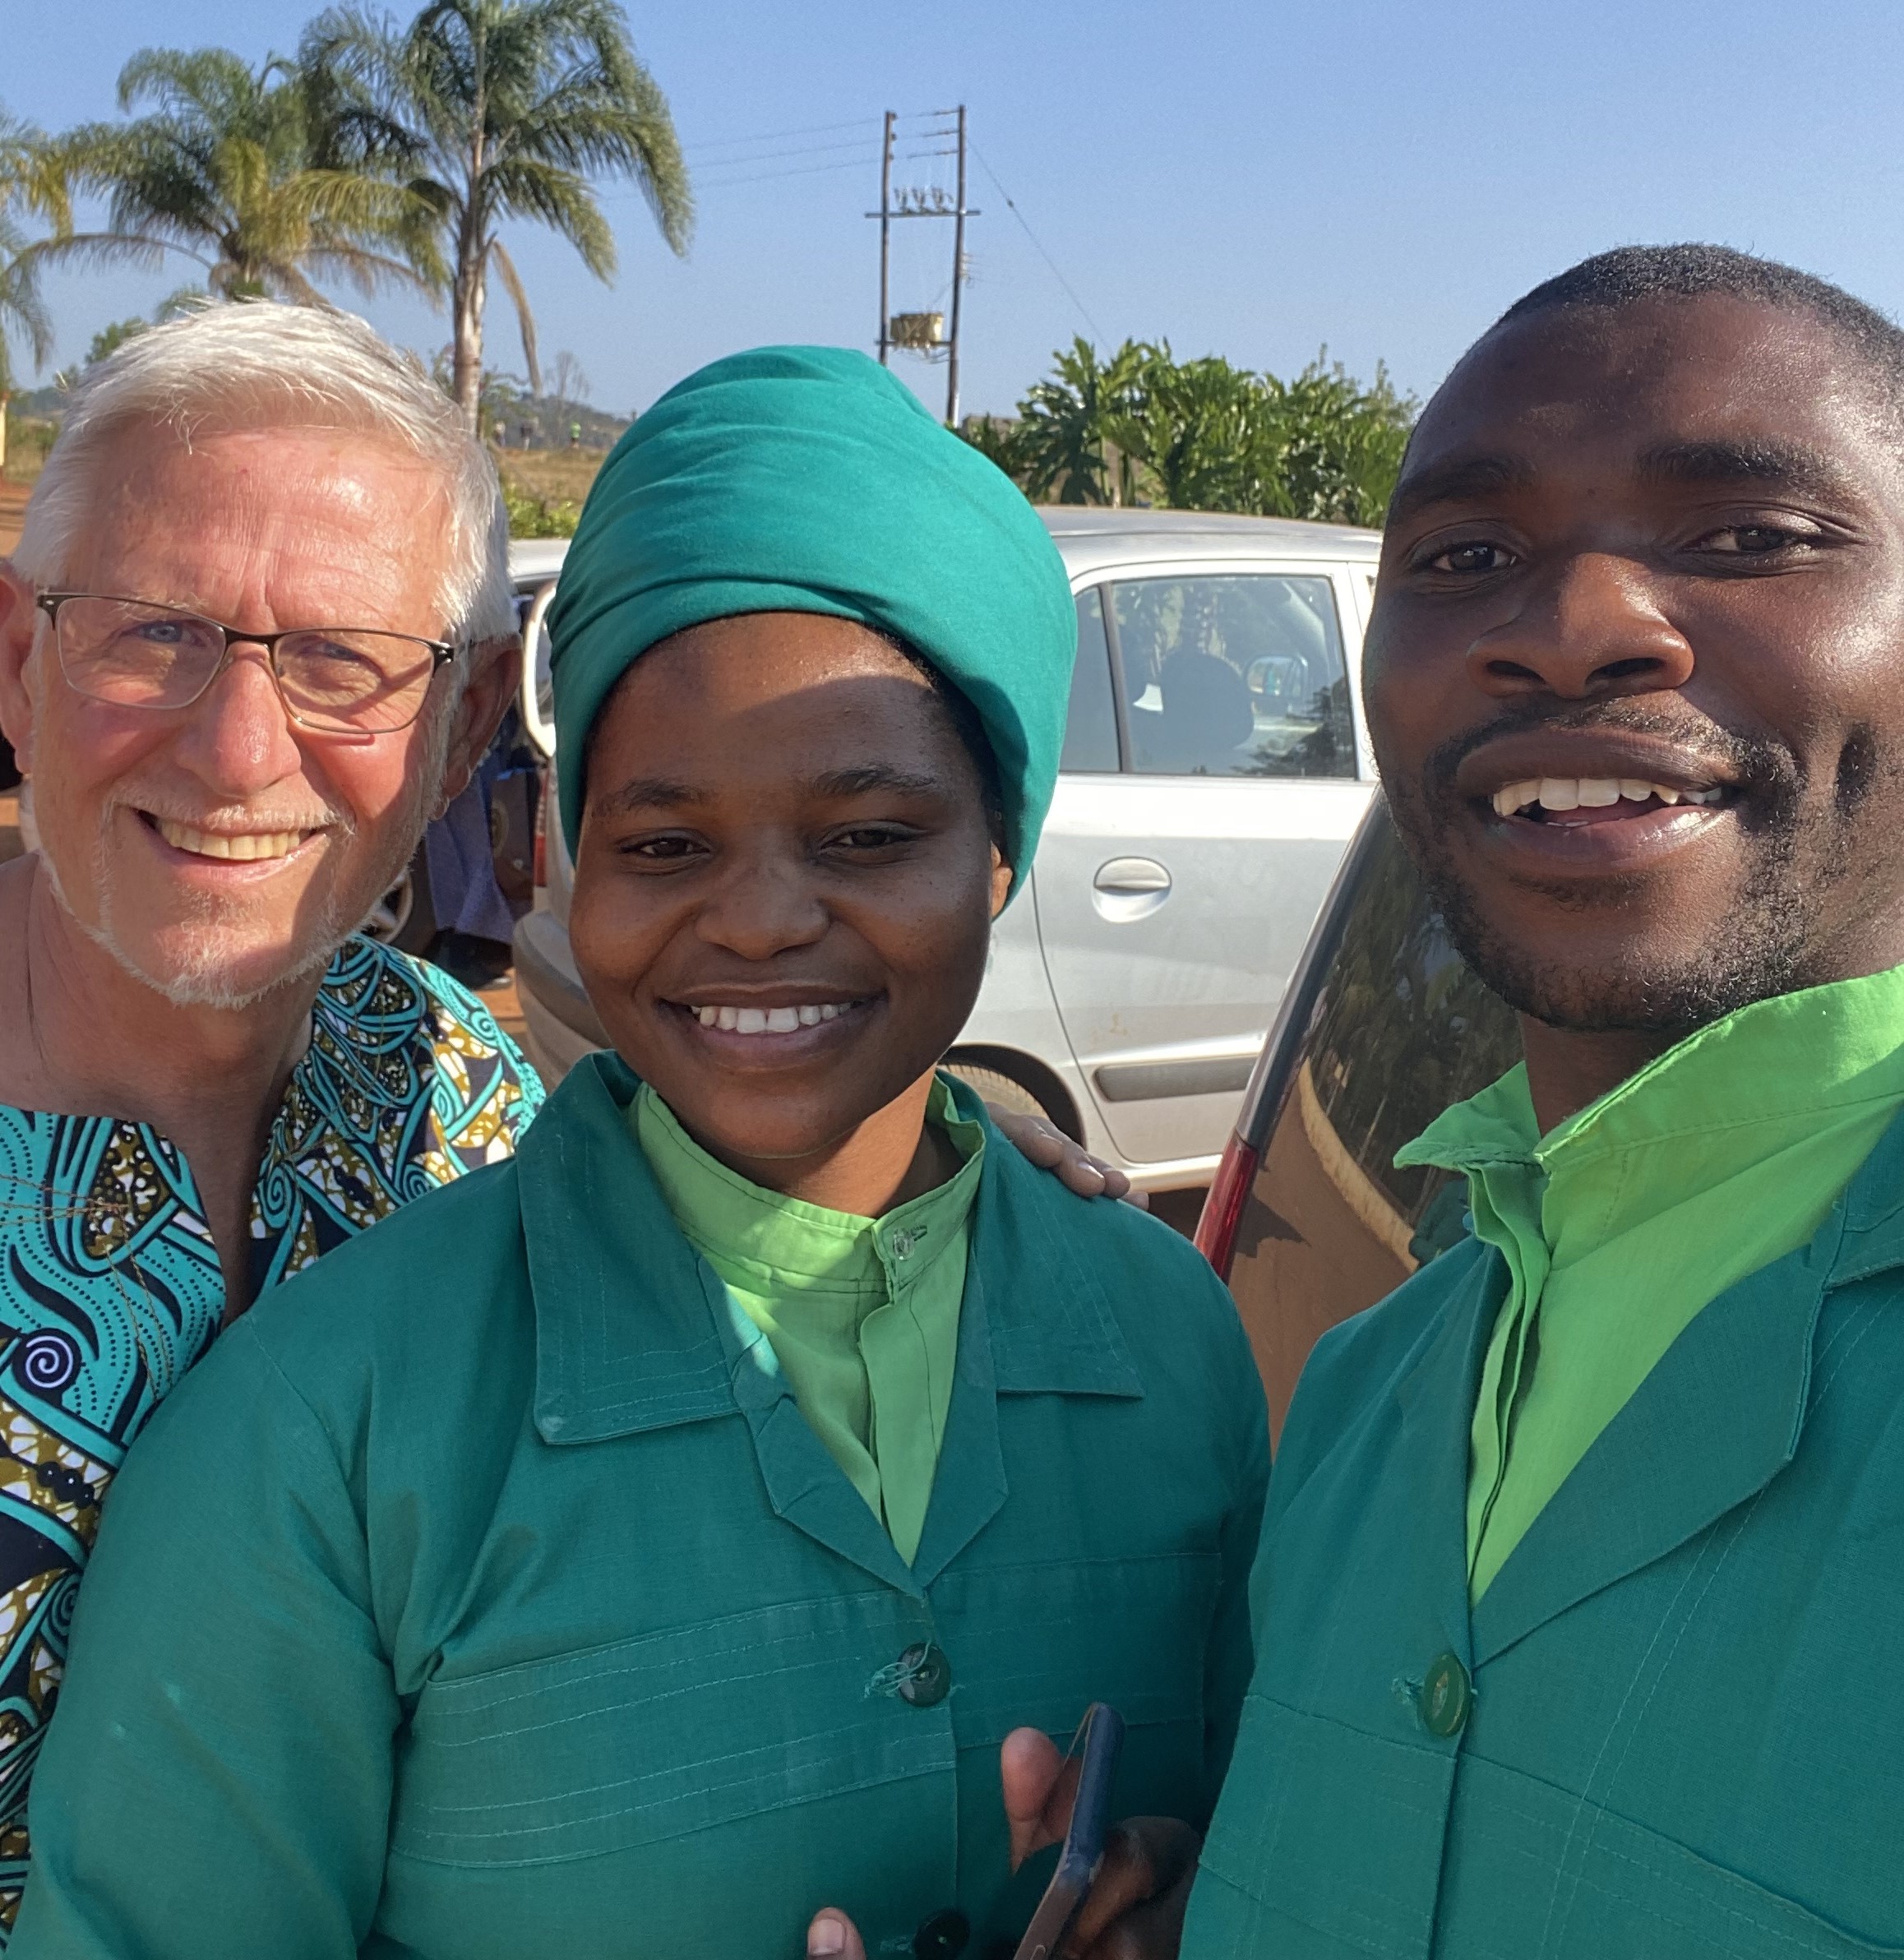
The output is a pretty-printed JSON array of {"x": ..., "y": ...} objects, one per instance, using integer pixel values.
[{"x": 482, "y": 1596}]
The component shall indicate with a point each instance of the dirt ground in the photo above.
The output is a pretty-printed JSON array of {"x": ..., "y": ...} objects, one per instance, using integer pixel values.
[{"x": 553, "y": 473}]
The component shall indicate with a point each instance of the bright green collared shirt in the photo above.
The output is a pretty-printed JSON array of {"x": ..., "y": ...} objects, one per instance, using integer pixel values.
[
  {"x": 861, "y": 1314},
  {"x": 1622, "y": 1222}
]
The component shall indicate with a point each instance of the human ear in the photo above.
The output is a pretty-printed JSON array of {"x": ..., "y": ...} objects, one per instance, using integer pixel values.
[
  {"x": 1001, "y": 877},
  {"x": 18, "y": 621},
  {"x": 495, "y": 667}
]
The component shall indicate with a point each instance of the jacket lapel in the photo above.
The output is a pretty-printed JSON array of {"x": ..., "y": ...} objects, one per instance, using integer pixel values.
[
  {"x": 1713, "y": 1423},
  {"x": 624, "y": 1341},
  {"x": 635, "y": 1332},
  {"x": 806, "y": 1487},
  {"x": 1030, "y": 1323},
  {"x": 1437, "y": 1400}
]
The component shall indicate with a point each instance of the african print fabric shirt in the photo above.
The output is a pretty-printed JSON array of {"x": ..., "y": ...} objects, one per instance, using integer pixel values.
[{"x": 110, "y": 1287}]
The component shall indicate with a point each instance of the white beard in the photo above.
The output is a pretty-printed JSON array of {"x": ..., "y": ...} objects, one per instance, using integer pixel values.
[{"x": 203, "y": 971}]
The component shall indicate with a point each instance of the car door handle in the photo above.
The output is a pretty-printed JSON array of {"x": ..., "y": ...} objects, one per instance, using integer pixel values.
[{"x": 1132, "y": 877}]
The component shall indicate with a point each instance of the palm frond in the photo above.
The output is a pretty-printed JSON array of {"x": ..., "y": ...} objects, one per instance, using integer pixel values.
[
  {"x": 512, "y": 284},
  {"x": 102, "y": 248},
  {"x": 560, "y": 199}
]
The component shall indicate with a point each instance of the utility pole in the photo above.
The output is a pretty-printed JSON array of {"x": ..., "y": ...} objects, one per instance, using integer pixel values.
[
  {"x": 958, "y": 281},
  {"x": 924, "y": 333},
  {"x": 886, "y": 238}
]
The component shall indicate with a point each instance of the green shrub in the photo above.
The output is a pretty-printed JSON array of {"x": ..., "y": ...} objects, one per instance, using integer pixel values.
[{"x": 531, "y": 517}]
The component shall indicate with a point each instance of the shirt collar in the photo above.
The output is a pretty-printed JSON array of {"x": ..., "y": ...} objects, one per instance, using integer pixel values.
[
  {"x": 633, "y": 1332},
  {"x": 1758, "y": 1080},
  {"x": 788, "y": 1244}
]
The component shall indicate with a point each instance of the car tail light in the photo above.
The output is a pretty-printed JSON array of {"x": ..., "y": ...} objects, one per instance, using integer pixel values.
[
  {"x": 1223, "y": 1208},
  {"x": 539, "y": 874}
]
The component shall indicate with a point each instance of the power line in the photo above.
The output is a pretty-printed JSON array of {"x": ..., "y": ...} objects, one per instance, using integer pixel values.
[
  {"x": 727, "y": 183},
  {"x": 776, "y": 136},
  {"x": 861, "y": 142},
  {"x": 1044, "y": 255}
]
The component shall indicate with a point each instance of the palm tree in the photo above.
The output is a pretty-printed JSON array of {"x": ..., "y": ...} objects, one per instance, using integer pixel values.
[
  {"x": 230, "y": 169},
  {"x": 500, "y": 109},
  {"x": 29, "y": 183}
]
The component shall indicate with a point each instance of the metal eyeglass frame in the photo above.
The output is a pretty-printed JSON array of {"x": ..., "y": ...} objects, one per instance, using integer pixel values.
[{"x": 443, "y": 652}]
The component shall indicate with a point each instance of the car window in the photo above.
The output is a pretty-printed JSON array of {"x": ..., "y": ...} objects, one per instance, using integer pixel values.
[
  {"x": 1091, "y": 727},
  {"x": 1399, "y": 1029},
  {"x": 1234, "y": 676}
]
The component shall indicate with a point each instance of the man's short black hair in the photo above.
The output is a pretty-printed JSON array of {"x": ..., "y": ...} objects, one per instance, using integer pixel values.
[{"x": 1633, "y": 273}]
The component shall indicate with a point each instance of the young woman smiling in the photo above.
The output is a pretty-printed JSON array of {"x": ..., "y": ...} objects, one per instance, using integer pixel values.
[{"x": 655, "y": 1540}]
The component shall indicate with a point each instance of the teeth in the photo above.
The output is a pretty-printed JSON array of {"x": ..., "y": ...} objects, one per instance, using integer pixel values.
[
  {"x": 768, "y": 1020},
  {"x": 1591, "y": 793},
  {"x": 244, "y": 846}
]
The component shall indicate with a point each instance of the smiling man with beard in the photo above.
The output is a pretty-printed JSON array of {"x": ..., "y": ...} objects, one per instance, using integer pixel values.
[
  {"x": 1579, "y": 1609},
  {"x": 259, "y": 626}
]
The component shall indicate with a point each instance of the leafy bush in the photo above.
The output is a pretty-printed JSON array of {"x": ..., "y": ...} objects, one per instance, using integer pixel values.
[
  {"x": 1142, "y": 427},
  {"x": 532, "y": 517}
]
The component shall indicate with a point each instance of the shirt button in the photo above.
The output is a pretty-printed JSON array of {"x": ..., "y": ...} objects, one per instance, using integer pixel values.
[
  {"x": 942, "y": 1937},
  {"x": 901, "y": 1244},
  {"x": 1445, "y": 1697},
  {"x": 927, "y": 1679}
]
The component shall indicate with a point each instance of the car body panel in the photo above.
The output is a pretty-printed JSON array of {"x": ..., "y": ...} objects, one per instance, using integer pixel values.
[
  {"x": 1383, "y": 1026},
  {"x": 1198, "y": 975}
]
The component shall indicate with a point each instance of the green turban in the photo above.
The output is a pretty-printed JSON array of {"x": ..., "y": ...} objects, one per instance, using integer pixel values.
[{"x": 808, "y": 479}]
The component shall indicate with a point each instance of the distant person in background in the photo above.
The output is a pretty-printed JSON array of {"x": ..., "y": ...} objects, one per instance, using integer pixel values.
[{"x": 660, "y": 1538}]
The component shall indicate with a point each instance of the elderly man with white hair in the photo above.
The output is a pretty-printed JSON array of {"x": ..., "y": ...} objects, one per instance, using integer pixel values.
[{"x": 258, "y": 629}]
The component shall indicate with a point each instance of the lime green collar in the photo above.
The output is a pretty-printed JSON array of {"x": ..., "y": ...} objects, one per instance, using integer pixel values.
[
  {"x": 787, "y": 1244},
  {"x": 1728, "y": 1094}
]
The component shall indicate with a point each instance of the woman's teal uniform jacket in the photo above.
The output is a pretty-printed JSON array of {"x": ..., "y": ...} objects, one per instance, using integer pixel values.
[
  {"x": 1673, "y": 1727},
  {"x": 484, "y": 1595}
]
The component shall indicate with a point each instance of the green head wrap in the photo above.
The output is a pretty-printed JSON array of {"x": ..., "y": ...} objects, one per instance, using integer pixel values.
[{"x": 808, "y": 479}]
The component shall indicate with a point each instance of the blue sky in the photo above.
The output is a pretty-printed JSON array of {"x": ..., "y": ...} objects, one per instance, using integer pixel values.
[{"x": 1249, "y": 180}]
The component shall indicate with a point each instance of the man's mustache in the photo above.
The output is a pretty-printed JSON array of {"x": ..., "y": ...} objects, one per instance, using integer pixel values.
[{"x": 1754, "y": 762}]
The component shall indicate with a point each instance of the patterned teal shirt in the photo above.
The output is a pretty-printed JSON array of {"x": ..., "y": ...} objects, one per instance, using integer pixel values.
[{"x": 110, "y": 1287}]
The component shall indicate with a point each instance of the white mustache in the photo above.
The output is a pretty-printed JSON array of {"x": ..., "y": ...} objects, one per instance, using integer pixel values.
[{"x": 234, "y": 819}]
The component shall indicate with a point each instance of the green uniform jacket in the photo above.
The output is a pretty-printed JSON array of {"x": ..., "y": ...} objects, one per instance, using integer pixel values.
[
  {"x": 1685, "y": 1734},
  {"x": 484, "y": 1596}
]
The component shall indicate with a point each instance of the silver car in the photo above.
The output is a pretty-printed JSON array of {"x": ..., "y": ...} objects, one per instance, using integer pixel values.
[{"x": 1215, "y": 766}]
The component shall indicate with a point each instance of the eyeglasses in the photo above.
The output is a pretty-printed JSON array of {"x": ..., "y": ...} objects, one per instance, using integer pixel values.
[{"x": 338, "y": 680}]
